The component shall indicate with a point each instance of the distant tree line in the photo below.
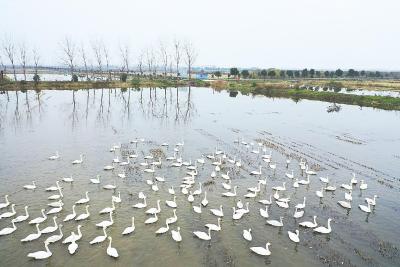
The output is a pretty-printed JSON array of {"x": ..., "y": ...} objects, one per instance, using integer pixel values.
[{"x": 304, "y": 73}]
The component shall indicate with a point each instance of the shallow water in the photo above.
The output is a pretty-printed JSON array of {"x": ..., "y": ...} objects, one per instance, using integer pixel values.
[{"x": 365, "y": 141}]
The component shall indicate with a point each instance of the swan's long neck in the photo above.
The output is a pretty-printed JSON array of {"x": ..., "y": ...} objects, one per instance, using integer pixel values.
[
  {"x": 46, "y": 245},
  {"x": 104, "y": 231},
  {"x": 87, "y": 209},
  {"x": 79, "y": 231},
  {"x": 209, "y": 232},
  {"x": 26, "y": 211},
  {"x": 111, "y": 218},
  {"x": 329, "y": 224},
  {"x": 133, "y": 221},
  {"x": 109, "y": 244},
  {"x": 234, "y": 190},
  {"x": 37, "y": 228}
]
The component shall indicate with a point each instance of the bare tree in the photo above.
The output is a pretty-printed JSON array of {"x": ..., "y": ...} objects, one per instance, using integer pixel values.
[
  {"x": 97, "y": 53},
  {"x": 124, "y": 50},
  {"x": 84, "y": 60},
  {"x": 9, "y": 51},
  {"x": 164, "y": 57},
  {"x": 150, "y": 60},
  {"x": 177, "y": 55},
  {"x": 23, "y": 58},
  {"x": 107, "y": 58},
  {"x": 36, "y": 59},
  {"x": 140, "y": 63},
  {"x": 190, "y": 57},
  {"x": 68, "y": 48}
]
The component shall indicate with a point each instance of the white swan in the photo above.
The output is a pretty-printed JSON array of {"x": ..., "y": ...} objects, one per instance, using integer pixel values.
[
  {"x": 73, "y": 246},
  {"x": 228, "y": 185},
  {"x": 106, "y": 223},
  {"x": 124, "y": 163},
  {"x": 70, "y": 216},
  {"x": 198, "y": 191},
  {"x": 363, "y": 185},
  {"x": 320, "y": 193},
  {"x": 230, "y": 194},
  {"x": 39, "y": 219},
  {"x": 364, "y": 208},
  {"x": 282, "y": 204},
  {"x": 54, "y": 210},
  {"x": 109, "y": 167},
  {"x": 117, "y": 199},
  {"x": 73, "y": 236},
  {"x": 294, "y": 236},
  {"x": 266, "y": 201},
  {"x": 345, "y": 204},
  {"x": 171, "y": 203},
  {"x": 56, "y": 204},
  {"x": 298, "y": 213},
  {"x": 247, "y": 235},
  {"x": 22, "y": 218},
  {"x": 280, "y": 188},
  {"x": 83, "y": 216},
  {"x": 214, "y": 227},
  {"x": 176, "y": 235},
  {"x": 323, "y": 229},
  {"x": 78, "y": 161},
  {"x": 226, "y": 177},
  {"x": 51, "y": 229},
  {"x": 100, "y": 238},
  {"x": 261, "y": 250},
  {"x": 54, "y": 157},
  {"x": 264, "y": 212},
  {"x": 203, "y": 235},
  {"x": 171, "y": 190},
  {"x": 236, "y": 214},
  {"x": 40, "y": 255},
  {"x": 131, "y": 228},
  {"x": 112, "y": 252},
  {"x": 110, "y": 186},
  {"x": 68, "y": 179},
  {"x": 197, "y": 209},
  {"x": 290, "y": 175},
  {"x": 33, "y": 236},
  {"x": 55, "y": 238},
  {"x": 163, "y": 230},
  {"x": 256, "y": 172},
  {"x": 154, "y": 187},
  {"x": 55, "y": 197},
  {"x": 172, "y": 219},
  {"x": 190, "y": 197},
  {"x": 325, "y": 180},
  {"x": 302, "y": 205},
  {"x": 30, "y": 186},
  {"x": 275, "y": 222},
  {"x": 108, "y": 209},
  {"x": 218, "y": 212},
  {"x": 204, "y": 202},
  {"x": 95, "y": 181},
  {"x": 141, "y": 205},
  {"x": 9, "y": 214},
  {"x": 5, "y": 204},
  {"x": 372, "y": 201},
  {"x": 154, "y": 210},
  {"x": 84, "y": 200},
  {"x": 151, "y": 219},
  {"x": 251, "y": 195},
  {"x": 304, "y": 182},
  {"x": 309, "y": 224},
  {"x": 54, "y": 188},
  {"x": 8, "y": 230}
]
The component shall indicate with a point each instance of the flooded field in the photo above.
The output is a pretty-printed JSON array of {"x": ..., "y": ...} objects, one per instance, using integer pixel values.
[{"x": 33, "y": 126}]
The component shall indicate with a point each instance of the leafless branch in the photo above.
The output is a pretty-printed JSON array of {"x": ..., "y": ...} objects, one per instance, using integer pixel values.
[
  {"x": 190, "y": 57},
  {"x": 68, "y": 48}
]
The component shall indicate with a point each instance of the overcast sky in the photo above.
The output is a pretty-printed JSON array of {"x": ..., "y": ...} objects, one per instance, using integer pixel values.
[{"x": 327, "y": 34}]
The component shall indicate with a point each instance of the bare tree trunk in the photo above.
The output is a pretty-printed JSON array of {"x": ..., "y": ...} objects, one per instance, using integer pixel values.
[
  {"x": 23, "y": 58},
  {"x": 106, "y": 55},
  {"x": 84, "y": 60},
  {"x": 191, "y": 56},
  {"x": 140, "y": 63},
  {"x": 125, "y": 55},
  {"x": 177, "y": 55},
  {"x": 68, "y": 48},
  {"x": 164, "y": 58},
  {"x": 97, "y": 53},
  {"x": 36, "y": 59},
  {"x": 9, "y": 50}
]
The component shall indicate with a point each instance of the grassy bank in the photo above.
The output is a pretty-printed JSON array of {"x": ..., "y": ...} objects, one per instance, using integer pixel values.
[
  {"x": 283, "y": 90},
  {"x": 68, "y": 85}
]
